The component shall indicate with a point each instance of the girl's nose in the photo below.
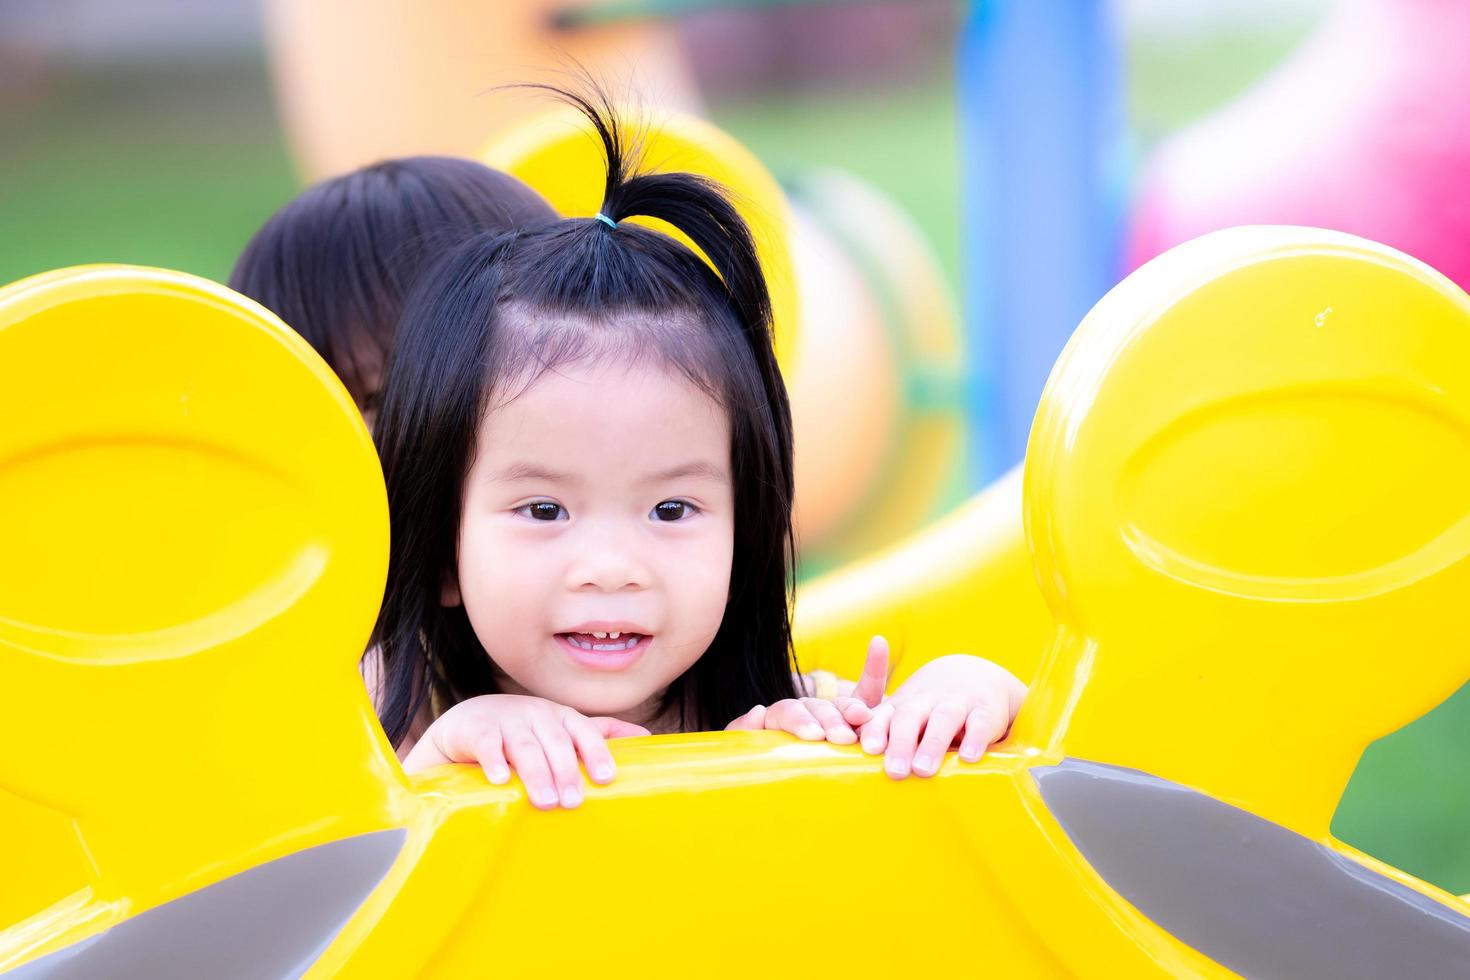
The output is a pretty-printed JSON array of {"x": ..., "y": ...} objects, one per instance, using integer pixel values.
[
  {"x": 609, "y": 562},
  {"x": 608, "y": 573}
]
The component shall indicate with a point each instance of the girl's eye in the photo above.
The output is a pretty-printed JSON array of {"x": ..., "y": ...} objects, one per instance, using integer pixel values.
[
  {"x": 543, "y": 510},
  {"x": 673, "y": 510}
]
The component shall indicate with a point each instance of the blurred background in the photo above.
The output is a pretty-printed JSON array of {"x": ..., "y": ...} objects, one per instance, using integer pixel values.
[
  {"x": 148, "y": 130},
  {"x": 1028, "y": 155}
]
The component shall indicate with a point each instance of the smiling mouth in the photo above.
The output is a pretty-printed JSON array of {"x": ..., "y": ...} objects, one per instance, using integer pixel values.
[{"x": 603, "y": 642}]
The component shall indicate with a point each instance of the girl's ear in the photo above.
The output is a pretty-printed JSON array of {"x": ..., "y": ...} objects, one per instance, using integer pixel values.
[{"x": 449, "y": 591}]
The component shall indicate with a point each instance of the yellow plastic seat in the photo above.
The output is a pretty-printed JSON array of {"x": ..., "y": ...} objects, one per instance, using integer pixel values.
[{"x": 1246, "y": 496}]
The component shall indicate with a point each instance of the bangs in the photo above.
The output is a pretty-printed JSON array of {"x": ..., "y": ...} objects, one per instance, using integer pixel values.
[{"x": 531, "y": 341}]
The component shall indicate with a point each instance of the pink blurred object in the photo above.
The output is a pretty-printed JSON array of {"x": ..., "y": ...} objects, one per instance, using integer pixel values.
[{"x": 1365, "y": 129}]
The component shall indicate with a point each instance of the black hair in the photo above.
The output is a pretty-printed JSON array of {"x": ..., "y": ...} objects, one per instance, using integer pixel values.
[
  {"x": 499, "y": 310},
  {"x": 337, "y": 262}
]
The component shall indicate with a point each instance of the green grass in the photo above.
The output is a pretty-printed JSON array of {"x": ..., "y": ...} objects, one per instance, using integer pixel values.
[
  {"x": 167, "y": 169},
  {"x": 1409, "y": 799}
]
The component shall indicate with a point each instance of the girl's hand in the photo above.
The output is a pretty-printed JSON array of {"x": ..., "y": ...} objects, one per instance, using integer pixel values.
[
  {"x": 539, "y": 739},
  {"x": 811, "y": 719},
  {"x": 945, "y": 699},
  {"x": 815, "y": 719}
]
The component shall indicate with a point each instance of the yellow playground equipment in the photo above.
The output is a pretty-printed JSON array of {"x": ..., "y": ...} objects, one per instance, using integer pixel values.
[
  {"x": 866, "y": 332},
  {"x": 1247, "y": 503}
]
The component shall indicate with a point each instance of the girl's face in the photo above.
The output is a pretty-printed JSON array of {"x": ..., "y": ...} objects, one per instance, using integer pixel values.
[{"x": 597, "y": 532}]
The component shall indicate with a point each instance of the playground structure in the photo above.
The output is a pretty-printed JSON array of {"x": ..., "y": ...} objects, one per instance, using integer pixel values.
[{"x": 1156, "y": 811}]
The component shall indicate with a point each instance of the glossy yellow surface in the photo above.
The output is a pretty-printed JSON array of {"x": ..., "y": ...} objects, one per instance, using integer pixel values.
[
  {"x": 1247, "y": 480},
  {"x": 1248, "y": 495},
  {"x": 195, "y": 544}
]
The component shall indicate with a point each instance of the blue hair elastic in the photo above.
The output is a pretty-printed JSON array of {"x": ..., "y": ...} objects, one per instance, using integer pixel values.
[{"x": 605, "y": 219}]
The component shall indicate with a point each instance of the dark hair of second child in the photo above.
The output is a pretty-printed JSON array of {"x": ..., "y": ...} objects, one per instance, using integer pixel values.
[{"x": 337, "y": 262}]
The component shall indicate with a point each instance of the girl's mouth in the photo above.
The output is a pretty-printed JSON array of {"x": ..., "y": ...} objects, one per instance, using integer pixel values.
[
  {"x": 604, "y": 651},
  {"x": 604, "y": 642}
]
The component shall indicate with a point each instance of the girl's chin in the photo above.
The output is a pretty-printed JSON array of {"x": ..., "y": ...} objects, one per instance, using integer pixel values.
[{"x": 637, "y": 707}]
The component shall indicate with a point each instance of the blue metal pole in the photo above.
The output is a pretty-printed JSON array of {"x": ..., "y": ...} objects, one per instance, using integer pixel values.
[{"x": 1042, "y": 136}]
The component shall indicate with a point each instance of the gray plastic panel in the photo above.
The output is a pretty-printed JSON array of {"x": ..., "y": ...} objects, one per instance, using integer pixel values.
[
  {"x": 1250, "y": 894},
  {"x": 271, "y": 921}
]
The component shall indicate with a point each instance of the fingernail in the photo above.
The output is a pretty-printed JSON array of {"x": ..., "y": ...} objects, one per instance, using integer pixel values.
[
  {"x": 841, "y": 736},
  {"x": 923, "y": 764},
  {"x": 969, "y": 755},
  {"x": 544, "y": 798},
  {"x": 499, "y": 775},
  {"x": 604, "y": 774},
  {"x": 571, "y": 797},
  {"x": 897, "y": 768},
  {"x": 872, "y": 746},
  {"x": 809, "y": 731}
]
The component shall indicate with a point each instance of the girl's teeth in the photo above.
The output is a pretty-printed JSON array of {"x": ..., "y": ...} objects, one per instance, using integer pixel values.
[{"x": 618, "y": 644}]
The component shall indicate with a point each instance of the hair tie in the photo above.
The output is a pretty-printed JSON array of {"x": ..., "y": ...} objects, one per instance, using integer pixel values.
[{"x": 599, "y": 216}]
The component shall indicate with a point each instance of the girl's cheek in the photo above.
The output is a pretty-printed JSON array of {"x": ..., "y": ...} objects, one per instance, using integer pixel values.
[
  {"x": 705, "y": 569},
  {"x": 488, "y": 551}
]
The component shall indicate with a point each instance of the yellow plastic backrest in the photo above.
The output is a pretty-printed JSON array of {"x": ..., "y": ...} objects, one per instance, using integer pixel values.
[
  {"x": 194, "y": 530},
  {"x": 559, "y": 155},
  {"x": 1248, "y": 493}
]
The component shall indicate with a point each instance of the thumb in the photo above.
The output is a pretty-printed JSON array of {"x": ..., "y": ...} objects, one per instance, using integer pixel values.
[
  {"x": 752, "y": 721},
  {"x": 874, "y": 682},
  {"x": 617, "y": 728}
]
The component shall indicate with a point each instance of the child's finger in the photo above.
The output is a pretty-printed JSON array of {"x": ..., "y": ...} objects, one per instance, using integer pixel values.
[
  {"x": 591, "y": 746},
  {"x": 853, "y": 711},
  {"x": 944, "y": 723},
  {"x": 561, "y": 756},
  {"x": 837, "y": 730},
  {"x": 875, "y": 732},
  {"x": 455, "y": 743},
  {"x": 792, "y": 716},
  {"x": 903, "y": 737},
  {"x": 752, "y": 721},
  {"x": 874, "y": 682},
  {"x": 617, "y": 728},
  {"x": 490, "y": 754},
  {"x": 524, "y": 751},
  {"x": 983, "y": 727}
]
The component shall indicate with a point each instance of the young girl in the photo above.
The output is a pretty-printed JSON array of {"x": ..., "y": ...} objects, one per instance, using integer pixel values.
[
  {"x": 587, "y": 449},
  {"x": 337, "y": 261}
]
